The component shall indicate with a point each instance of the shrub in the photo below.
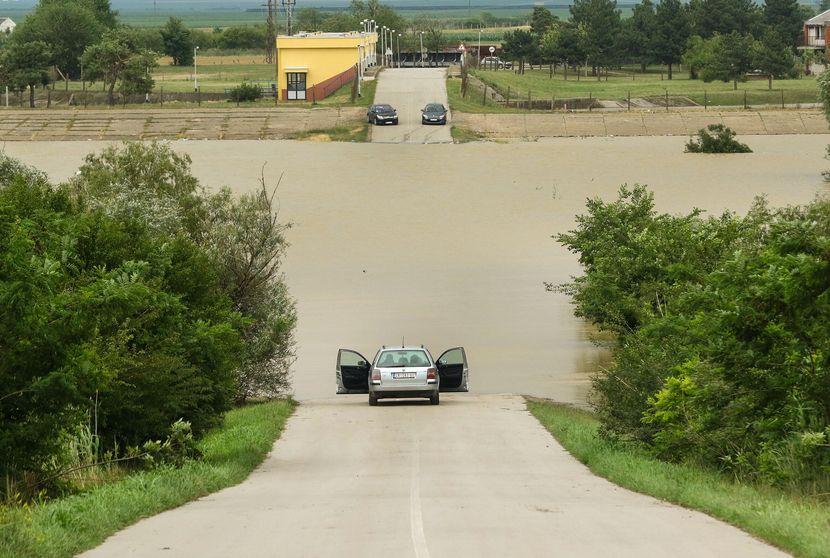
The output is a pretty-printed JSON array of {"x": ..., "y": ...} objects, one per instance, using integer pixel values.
[
  {"x": 723, "y": 141},
  {"x": 245, "y": 92},
  {"x": 133, "y": 291},
  {"x": 722, "y": 354},
  {"x": 179, "y": 447}
]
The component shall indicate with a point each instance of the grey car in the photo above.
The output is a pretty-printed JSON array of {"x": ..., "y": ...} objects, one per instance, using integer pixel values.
[
  {"x": 402, "y": 372},
  {"x": 434, "y": 113},
  {"x": 382, "y": 114}
]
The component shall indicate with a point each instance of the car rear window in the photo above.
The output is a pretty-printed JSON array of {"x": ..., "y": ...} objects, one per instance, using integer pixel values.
[{"x": 401, "y": 358}]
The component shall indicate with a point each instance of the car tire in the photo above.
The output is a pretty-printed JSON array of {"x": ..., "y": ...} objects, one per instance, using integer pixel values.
[
  {"x": 373, "y": 400},
  {"x": 435, "y": 399}
]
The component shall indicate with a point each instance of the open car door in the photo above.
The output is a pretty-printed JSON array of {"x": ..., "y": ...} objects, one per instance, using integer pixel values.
[
  {"x": 352, "y": 372},
  {"x": 453, "y": 370}
]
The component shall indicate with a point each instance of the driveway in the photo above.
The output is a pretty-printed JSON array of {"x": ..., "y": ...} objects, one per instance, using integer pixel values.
[
  {"x": 476, "y": 476},
  {"x": 409, "y": 90}
]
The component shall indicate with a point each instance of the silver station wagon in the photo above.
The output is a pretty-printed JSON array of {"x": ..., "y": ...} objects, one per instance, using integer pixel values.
[{"x": 402, "y": 372}]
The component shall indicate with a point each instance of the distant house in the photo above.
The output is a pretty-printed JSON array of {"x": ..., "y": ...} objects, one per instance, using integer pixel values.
[
  {"x": 816, "y": 37},
  {"x": 7, "y": 25}
]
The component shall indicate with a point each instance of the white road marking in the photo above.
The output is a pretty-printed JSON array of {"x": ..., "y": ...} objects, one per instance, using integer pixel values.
[{"x": 416, "y": 518}]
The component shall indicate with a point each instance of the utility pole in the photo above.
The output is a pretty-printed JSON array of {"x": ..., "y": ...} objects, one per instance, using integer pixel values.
[
  {"x": 288, "y": 6},
  {"x": 270, "y": 32}
]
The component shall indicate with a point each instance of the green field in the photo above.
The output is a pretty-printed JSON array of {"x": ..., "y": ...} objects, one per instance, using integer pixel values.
[
  {"x": 209, "y": 18},
  {"x": 218, "y": 74},
  {"x": 681, "y": 90}
]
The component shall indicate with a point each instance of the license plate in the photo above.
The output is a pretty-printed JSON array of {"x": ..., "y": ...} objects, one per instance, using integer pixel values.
[{"x": 403, "y": 375}]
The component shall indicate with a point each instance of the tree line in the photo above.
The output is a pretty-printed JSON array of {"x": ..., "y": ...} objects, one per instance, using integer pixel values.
[
  {"x": 83, "y": 40},
  {"x": 715, "y": 39}
]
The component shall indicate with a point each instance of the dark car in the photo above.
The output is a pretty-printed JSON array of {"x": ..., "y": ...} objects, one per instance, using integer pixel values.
[
  {"x": 434, "y": 113},
  {"x": 382, "y": 114}
]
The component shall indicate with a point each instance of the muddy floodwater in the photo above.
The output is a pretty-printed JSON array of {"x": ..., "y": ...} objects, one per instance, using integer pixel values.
[{"x": 451, "y": 245}]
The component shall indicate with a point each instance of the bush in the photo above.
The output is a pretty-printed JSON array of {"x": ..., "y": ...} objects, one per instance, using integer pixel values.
[
  {"x": 179, "y": 447},
  {"x": 245, "y": 92},
  {"x": 723, "y": 141},
  {"x": 722, "y": 353},
  {"x": 123, "y": 291}
]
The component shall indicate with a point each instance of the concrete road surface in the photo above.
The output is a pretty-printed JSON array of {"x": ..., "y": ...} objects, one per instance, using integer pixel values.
[
  {"x": 409, "y": 90},
  {"x": 476, "y": 476}
]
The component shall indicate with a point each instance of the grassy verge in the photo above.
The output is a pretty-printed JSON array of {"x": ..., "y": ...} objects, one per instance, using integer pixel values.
[
  {"x": 472, "y": 103},
  {"x": 539, "y": 85},
  {"x": 794, "y": 523},
  {"x": 358, "y": 133},
  {"x": 68, "y": 526},
  {"x": 461, "y": 134}
]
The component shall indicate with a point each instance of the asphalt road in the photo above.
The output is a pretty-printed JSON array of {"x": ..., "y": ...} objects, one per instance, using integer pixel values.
[
  {"x": 409, "y": 90},
  {"x": 477, "y": 476}
]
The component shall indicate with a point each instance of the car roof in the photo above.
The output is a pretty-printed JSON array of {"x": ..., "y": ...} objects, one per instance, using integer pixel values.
[{"x": 405, "y": 348}]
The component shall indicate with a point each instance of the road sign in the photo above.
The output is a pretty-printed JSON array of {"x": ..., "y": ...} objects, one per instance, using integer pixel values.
[
  {"x": 492, "y": 49},
  {"x": 461, "y": 47}
]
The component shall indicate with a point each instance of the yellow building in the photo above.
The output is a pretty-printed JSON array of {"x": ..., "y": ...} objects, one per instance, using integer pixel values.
[{"x": 312, "y": 66}]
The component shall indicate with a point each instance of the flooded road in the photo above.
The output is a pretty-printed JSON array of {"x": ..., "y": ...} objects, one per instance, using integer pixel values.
[{"x": 450, "y": 245}]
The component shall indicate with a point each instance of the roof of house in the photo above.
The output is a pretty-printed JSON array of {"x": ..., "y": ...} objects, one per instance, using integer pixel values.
[{"x": 821, "y": 18}]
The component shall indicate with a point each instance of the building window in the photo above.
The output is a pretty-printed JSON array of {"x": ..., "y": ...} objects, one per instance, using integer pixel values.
[{"x": 296, "y": 86}]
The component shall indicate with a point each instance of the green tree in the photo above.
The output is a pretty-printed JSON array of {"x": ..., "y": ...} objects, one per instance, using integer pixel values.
[
  {"x": 26, "y": 65},
  {"x": 520, "y": 45},
  {"x": 710, "y": 17},
  {"x": 643, "y": 34},
  {"x": 101, "y": 9},
  {"x": 562, "y": 44},
  {"x": 730, "y": 58},
  {"x": 381, "y": 13},
  {"x": 672, "y": 32},
  {"x": 541, "y": 20},
  {"x": 697, "y": 53},
  {"x": 118, "y": 59},
  {"x": 309, "y": 19},
  {"x": 249, "y": 37},
  {"x": 178, "y": 42},
  {"x": 66, "y": 27},
  {"x": 600, "y": 20},
  {"x": 785, "y": 18},
  {"x": 340, "y": 22},
  {"x": 773, "y": 56}
]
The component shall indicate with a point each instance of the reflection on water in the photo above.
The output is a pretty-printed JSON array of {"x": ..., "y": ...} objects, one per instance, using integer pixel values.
[{"x": 451, "y": 245}]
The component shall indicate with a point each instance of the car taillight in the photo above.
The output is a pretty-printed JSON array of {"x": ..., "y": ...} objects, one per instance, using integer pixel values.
[
  {"x": 431, "y": 375},
  {"x": 375, "y": 376}
]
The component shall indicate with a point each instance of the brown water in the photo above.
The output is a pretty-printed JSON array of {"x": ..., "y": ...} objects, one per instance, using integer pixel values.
[{"x": 450, "y": 244}]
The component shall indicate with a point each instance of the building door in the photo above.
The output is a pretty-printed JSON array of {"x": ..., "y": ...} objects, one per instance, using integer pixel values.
[{"x": 296, "y": 86}]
